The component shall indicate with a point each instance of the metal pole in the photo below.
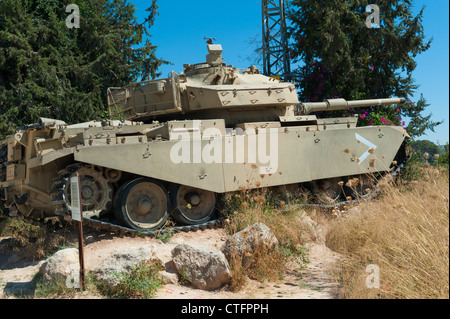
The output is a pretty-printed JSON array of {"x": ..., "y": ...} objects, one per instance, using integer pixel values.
[
  {"x": 264, "y": 37},
  {"x": 275, "y": 49},
  {"x": 80, "y": 240}
]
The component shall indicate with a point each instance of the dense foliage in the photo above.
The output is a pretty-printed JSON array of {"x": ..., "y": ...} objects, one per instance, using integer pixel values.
[
  {"x": 427, "y": 151},
  {"x": 50, "y": 70},
  {"x": 340, "y": 56}
]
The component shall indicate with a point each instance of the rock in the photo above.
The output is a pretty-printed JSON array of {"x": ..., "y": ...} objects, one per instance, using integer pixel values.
[
  {"x": 121, "y": 262},
  {"x": 13, "y": 259},
  {"x": 204, "y": 268},
  {"x": 170, "y": 274},
  {"x": 169, "y": 277},
  {"x": 4, "y": 243},
  {"x": 20, "y": 289},
  {"x": 314, "y": 228},
  {"x": 64, "y": 265},
  {"x": 247, "y": 240}
]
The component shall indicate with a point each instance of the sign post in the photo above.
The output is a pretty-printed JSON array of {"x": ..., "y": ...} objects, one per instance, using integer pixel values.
[{"x": 77, "y": 215}]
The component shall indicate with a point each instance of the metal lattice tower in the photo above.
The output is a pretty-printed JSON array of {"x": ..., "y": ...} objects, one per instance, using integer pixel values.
[{"x": 275, "y": 47}]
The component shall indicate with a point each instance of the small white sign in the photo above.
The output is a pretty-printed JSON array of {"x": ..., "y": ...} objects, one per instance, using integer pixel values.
[{"x": 75, "y": 199}]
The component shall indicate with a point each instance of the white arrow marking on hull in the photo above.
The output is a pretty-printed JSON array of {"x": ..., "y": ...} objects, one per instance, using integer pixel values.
[{"x": 366, "y": 142}]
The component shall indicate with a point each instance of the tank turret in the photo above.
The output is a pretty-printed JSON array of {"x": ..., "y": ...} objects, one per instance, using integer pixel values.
[
  {"x": 212, "y": 89},
  {"x": 206, "y": 90}
]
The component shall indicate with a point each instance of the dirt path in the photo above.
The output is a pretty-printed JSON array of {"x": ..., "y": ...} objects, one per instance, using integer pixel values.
[{"x": 311, "y": 282}]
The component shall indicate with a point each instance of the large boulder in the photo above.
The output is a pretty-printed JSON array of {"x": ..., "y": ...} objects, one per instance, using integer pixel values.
[
  {"x": 121, "y": 262},
  {"x": 204, "y": 268},
  {"x": 64, "y": 265},
  {"x": 245, "y": 242},
  {"x": 313, "y": 231}
]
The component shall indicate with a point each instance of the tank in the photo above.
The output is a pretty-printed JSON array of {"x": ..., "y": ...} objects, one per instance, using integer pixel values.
[{"x": 172, "y": 146}]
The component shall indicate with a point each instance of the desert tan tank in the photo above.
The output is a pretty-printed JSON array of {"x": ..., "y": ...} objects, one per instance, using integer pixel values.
[{"x": 173, "y": 145}]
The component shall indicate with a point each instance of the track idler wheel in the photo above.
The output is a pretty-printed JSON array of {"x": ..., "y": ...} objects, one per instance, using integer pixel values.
[
  {"x": 142, "y": 204},
  {"x": 96, "y": 191},
  {"x": 192, "y": 206}
]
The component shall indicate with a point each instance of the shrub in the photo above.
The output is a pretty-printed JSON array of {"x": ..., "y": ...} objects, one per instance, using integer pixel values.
[
  {"x": 284, "y": 217},
  {"x": 31, "y": 241},
  {"x": 141, "y": 282}
]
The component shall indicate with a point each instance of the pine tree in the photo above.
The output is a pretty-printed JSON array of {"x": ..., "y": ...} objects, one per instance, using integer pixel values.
[
  {"x": 50, "y": 70},
  {"x": 339, "y": 56},
  {"x": 419, "y": 123}
]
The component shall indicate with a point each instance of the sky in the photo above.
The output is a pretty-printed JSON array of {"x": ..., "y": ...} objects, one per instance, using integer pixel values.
[{"x": 181, "y": 25}]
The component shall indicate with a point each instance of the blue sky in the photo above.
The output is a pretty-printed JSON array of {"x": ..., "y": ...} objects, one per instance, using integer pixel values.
[{"x": 181, "y": 25}]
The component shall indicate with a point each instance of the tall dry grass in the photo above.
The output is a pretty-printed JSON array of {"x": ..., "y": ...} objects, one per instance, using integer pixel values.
[{"x": 405, "y": 233}]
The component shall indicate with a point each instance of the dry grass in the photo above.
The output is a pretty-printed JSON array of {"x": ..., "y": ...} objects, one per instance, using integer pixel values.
[
  {"x": 30, "y": 241},
  {"x": 405, "y": 233},
  {"x": 285, "y": 219}
]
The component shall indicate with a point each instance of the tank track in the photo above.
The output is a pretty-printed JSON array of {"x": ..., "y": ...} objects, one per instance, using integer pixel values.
[
  {"x": 57, "y": 194},
  {"x": 58, "y": 200},
  {"x": 58, "y": 187},
  {"x": 394, "y": 173}
]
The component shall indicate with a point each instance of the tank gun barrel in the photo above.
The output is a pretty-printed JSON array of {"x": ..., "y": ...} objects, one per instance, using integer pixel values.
[{"x": 342, "y": 104}]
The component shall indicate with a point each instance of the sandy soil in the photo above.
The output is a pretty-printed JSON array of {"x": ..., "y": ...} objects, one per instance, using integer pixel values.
[{"x": 313, "y": 281}]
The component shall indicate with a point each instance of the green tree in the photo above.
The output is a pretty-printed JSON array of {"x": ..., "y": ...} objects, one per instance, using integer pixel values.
[
  {"x": 339, "y": 56},
  {"x": 50, "y": 70},
  {"x": 444, "y": 157},
  {"x": 425, "y": 150},
  {"x": 418, "y": 122}
]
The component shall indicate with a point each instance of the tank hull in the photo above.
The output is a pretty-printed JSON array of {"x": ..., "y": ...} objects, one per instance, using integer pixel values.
[
  {"x": 229, "y": 163},
  {"x": 202, "y": 154}
]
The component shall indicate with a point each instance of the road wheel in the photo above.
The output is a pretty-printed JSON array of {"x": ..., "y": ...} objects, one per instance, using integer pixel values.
[
  {"x": 192, "y": 206},
  {"x": 142, "y": 204}
]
